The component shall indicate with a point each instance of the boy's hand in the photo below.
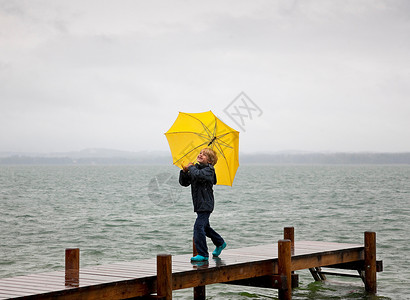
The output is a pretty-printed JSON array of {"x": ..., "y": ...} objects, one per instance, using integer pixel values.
[{"x": 185, "y": 168}]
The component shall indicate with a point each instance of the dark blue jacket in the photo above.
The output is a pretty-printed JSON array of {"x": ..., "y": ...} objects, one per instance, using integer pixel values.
[{"x": 201, "y": 178}]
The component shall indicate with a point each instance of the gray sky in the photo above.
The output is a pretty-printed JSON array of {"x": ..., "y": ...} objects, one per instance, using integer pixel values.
[{"x": 326, "y": 75}]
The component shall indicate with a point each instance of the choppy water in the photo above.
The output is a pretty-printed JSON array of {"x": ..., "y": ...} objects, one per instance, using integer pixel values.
[{"x": 121, "y": 213}]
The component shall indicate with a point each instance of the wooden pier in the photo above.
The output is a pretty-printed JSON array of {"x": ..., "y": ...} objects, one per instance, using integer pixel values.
[{"x": 268, "y": 266}]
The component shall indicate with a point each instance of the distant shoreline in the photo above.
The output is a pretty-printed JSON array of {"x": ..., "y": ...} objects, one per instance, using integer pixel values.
[{"x": 129, "y": 158}]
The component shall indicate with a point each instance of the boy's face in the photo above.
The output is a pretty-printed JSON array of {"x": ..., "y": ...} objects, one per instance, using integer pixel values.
[{"x": 202, "y": 158}]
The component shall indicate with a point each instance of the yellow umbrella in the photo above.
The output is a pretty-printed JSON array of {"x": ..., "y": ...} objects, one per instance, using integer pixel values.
[{"x": 191, "y": 132}]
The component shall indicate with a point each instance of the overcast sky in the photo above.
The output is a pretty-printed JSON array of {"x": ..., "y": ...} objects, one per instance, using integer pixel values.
[{"x": 320, "y": 75}]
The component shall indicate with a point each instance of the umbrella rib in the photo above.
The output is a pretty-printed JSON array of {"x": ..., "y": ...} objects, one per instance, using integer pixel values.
[
  {"x": 215, "y": 137},
  {"x": 222, "y": 143},
  {"x": 193, "y": 149},
  {"x": 215, "y": 126},
  {"x": 192, "y": 132},
  {"x": 222, "y": 135},
  {"x": 220, "y": 149},
  {"x": 226, "y": 145},
  {"x": 203, "y": 125},
  {"x": 225, "y": 162},
  {"x": 201, "y": 135}
]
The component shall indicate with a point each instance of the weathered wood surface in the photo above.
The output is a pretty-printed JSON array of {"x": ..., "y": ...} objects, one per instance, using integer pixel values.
[
  {"x": 164, "y": 276},
  {"x": 136, "y": 278},
  {"x": 284, "y": 268},
  {"x": 72, "y": 266},
  {"x": 370, "y": 261}
]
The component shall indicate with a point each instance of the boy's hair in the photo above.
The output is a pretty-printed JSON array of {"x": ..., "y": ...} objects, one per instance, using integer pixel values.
[{"x": 211, "y": 155}]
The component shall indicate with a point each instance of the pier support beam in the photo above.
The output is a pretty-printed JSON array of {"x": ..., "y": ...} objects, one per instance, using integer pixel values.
[
  {"x": 164, "y": 276},
  {"x": 72, "y": 267},
  {"x": 370, "y": 262},
  {"x": 289, "y": 234},
  {"x": 199, "y": 291},
  {"x": 284, "y": 268}
]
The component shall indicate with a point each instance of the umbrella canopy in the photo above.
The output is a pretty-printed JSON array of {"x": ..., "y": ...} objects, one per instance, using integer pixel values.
[{"x": 191, "y": 132}]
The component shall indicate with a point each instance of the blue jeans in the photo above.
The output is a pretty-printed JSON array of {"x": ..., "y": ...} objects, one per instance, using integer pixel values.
[{"x": 202, "y": 229}]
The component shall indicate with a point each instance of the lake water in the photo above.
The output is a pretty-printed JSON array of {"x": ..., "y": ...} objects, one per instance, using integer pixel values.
[{"x": 122, "y": 213}]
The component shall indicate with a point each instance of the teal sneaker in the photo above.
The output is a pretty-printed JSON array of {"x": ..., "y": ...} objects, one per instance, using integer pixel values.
[
  {"x": 199, "y": 258},
  {"x": 218, "y": 250}
]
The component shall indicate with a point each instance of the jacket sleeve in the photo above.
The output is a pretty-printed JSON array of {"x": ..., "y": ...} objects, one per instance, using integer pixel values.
[
  {"x": 207, "y": 173},
  {"x": 184, "y": 178}
]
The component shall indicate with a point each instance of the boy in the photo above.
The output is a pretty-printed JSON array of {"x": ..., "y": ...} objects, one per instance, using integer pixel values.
[{"x": 202, "y": 177}]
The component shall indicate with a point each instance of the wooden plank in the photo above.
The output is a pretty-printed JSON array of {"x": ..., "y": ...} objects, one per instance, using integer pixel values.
[
  {"x": 36, "y": 279},
  {"x": 116, "y": 271},
  {"x": 119, "y": 276},
  {"x": 129, "y": 266},
  {"x": 133, "y": 274},
  {"x": 133, "y": 266},
  {"x": 118, "y": 290},
  {"x": 60, "y": 278},
  {"x": 301, "y": 248},
  {"x": 6, "y": 295},
  {"x": 357, "y": 265},
  {"x": 16, "y": 292},
  {"x": 26, "y": 290},
  {"x": 223, "y": 274},
  {"x": 55, "y": 286},
  {"x": 326, "y": 258},
  {"x": 30, "y": 285},
  {"x": 268, "y": 281},
  {"x": 103, "y": 278},
  {"x": 313, "y": 246},
  {"x": 59, "y": 274},
  {"x": 23, "y": 281},
  {"x": 323, "y": 244},
  {"x": 106, "y": 277}
]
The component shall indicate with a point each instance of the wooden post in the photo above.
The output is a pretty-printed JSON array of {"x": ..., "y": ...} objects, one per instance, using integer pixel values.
[
  {"x": 164, "y": 276},
  {"x": 284, "y": 268},
  {"x": 370, "y": 262},
  {"x": 72, "y": 266},
  {"x": 289, "y": 234},
  {"x": 194, "y": 252},
  {"x": 199, "y": 291}
]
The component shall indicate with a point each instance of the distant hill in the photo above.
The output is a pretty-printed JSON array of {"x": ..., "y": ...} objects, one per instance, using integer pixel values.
[
  {"x": 88, "y": 157},
  {"x": 117, "y": 157},
  {"x": 326, "y": 158}
]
